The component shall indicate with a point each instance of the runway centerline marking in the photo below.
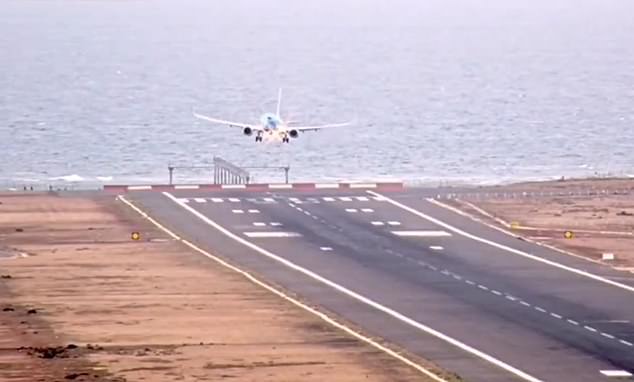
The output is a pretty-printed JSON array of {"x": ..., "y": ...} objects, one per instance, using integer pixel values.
[
  {"x": 399, "y": 316},
  {"x": 421, "y": 233},
  {"x": 446, "y": 272},
  {"x": 323, "y": 316},
  {"x": 502, "y": 246},
  {"x": 273, "y": 234}
]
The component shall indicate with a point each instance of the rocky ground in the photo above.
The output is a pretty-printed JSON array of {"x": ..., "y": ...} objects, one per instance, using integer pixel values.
[{"x": 599, "y": 213}]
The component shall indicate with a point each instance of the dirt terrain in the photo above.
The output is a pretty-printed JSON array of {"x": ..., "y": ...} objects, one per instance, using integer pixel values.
[
  {"x": 599, "y": 213},
  {"x": 80, "y": 300}
]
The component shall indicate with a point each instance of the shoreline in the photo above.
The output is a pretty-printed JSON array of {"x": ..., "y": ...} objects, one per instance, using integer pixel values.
[{"x": 8, "y": 185}]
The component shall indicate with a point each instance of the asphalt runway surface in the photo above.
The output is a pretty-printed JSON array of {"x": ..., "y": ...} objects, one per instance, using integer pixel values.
[{"x": 471, "y": 299}]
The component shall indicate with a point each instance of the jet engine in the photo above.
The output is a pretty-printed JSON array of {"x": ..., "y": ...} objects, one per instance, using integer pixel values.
[
  {"x": 293, "y": 133},
  {"x": 247, "y": 131}
]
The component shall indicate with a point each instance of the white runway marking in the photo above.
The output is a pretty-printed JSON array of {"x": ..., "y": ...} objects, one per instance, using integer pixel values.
[
  {"x": 421, "y": 233},
  {"x": 269, "y": 200},
  {"x": 436, "y": 247},
  {"x": 616, "y": 373},
  {"x": 200, "y": 200},
  {"x": 183, "y": 200},
  {"x": 359, "y": 297},
  {"x": 234, "y": 200},
  {"x": 501, "y": 246},
  {"x": 286, "y": 297},
  {"x": 362, "y": 198},
  {"x": 394, "y": 223},
  {"x": 253, "y": 211},
  {"x": 259, "y": 224},
  {"x": 367, "y": 210},
  {"x": 377, "y": 223},
  {"x": 325, "y": 249},
  {"x": 328, "y": 199},
  {"x": 345, "y": 199},
  {"x": 237, "y": 211},
  {"x": 139, "y": 188},
  {"x": 276, "y": 224},
  {"x": 217, "y": 200},
  {"x": 351, "y": 210},
  {"x": 271, "y": 234},
  {"x": 233, "y": 186},
  {"x": 446, "y": 272}
]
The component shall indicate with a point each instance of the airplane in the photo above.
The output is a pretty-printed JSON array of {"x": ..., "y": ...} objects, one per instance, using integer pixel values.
[{"x": 271, "y": 125}]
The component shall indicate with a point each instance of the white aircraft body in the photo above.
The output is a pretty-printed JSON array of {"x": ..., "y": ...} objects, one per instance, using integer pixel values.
[{"x": 271, "y": 127}]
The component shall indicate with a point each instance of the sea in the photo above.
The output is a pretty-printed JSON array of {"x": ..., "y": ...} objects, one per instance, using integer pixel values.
[{"x": 441, "y": 91}]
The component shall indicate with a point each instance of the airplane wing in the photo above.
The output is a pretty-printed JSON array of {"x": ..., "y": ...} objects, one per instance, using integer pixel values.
[
  {"x": 227, "y": 123},
  {"x": 319, "y": 127}
]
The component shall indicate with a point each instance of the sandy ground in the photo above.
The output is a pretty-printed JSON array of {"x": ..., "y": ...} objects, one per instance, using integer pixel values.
[
  {"x": 107, "y": 308},
  {"x": 602, "y": 223}
]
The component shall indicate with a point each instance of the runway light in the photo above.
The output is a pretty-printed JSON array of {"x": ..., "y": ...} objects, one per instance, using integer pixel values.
[
  {"x": 569, "y": 234},
  {"x": 136, "y": 236}
]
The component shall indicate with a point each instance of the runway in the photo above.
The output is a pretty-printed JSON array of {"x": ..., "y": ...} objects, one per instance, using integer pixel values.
[{"x": 467, "y": 297}]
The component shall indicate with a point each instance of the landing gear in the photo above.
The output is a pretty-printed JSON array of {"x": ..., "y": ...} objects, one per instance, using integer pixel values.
[
  {"x": 258, "y": 138},
  {"x": 285, "y": 140}
]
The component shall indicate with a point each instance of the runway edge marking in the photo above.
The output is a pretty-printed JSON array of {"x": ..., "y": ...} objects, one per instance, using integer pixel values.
[
  {"x": 286, "y": 297},
  {"x": 504, "y": 247},
  {"x": 507, "y": 232},
  {"x": 399, "y": 316}
]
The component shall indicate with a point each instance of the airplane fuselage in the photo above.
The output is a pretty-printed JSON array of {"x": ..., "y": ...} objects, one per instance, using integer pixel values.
[{"x": 271, "y": 121}]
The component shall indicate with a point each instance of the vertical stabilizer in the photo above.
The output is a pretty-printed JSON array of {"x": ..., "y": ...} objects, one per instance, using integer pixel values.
[{"x": 279, "y": 102}]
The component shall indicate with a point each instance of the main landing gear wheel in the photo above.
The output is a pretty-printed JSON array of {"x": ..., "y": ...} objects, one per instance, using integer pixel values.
[
  {"x": 258, "y": 139},
  {"x": 285, "y": 140}
]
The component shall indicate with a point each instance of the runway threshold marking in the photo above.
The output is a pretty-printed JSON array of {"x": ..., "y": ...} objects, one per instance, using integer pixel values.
[
  {"x": 502, "y": 246},
  {"x": 283, "y": 295},
  {"x": 399, "y": 316}
]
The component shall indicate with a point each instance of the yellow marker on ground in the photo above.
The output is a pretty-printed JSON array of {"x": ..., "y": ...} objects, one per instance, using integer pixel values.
[
  {"x": 136, "y": 236},
  {"x": 515, "y": 225},
  {"x": 569, "y": 234}
]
